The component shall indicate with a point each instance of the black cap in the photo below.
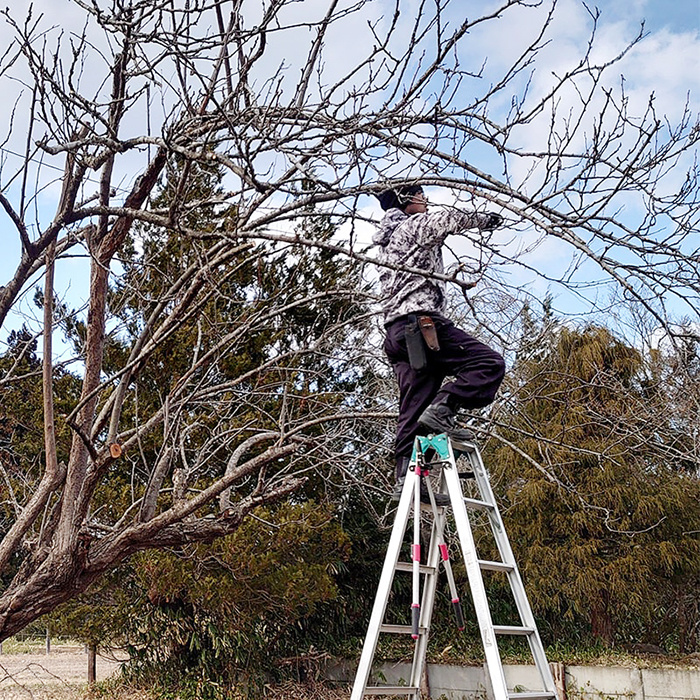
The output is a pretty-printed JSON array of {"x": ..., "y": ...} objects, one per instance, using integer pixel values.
[{"x": 398, "y": 197}]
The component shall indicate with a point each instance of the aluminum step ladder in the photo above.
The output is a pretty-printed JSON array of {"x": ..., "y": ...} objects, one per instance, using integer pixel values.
[{"x": 438, "y": 452}]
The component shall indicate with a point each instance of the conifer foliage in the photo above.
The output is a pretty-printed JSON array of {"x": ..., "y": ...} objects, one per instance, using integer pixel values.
[{"x": 601, "y": 504}]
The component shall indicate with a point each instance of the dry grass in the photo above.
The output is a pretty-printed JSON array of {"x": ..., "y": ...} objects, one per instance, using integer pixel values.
[
  {"x": 113, "y": 691},
  {"x": 295, "y": 691},
  {"x": 24, "y": 693},
  {"x": 283, "y": 691},
  {"x": 62, "y": 675},
  {"x": 122, "y": 691}
]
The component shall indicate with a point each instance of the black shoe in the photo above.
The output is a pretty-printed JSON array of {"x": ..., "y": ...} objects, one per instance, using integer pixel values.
[
  {"x": 440, "y": 418},
  {"x": 398, "y": 489},
  {"x": 441, "y": 499}
]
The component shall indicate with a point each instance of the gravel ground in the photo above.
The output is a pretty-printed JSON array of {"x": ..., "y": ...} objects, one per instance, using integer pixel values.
[{"x": 55, "y": 676}]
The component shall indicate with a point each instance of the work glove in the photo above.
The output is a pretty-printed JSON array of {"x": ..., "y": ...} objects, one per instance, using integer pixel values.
[{"x": 493, "y": 221}]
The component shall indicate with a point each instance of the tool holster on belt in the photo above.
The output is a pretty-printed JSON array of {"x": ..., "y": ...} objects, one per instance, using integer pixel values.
[
  {"x": 420, "y": 331},
  {"x": 427, "y": 328},
  {"x": 414, "y": 344}
]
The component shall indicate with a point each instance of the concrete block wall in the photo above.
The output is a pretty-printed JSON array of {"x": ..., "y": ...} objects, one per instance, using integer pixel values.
[
  {"x": 582, "y": 682},
  {"x": 601, "y": 682}
]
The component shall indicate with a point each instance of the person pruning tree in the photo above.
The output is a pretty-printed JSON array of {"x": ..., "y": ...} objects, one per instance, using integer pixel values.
[{"x": 423, "y": 346}]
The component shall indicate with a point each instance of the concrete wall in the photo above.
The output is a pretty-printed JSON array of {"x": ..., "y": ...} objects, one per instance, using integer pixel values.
[
  {"x": 582, "y": 682},
  {"x": 601, "y": 682}
]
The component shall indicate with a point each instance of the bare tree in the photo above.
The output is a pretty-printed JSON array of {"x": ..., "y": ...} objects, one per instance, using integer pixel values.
[{"x": 148, "y": 91}]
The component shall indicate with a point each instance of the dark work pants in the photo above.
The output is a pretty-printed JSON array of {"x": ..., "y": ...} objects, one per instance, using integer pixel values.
[{"x": 477, "y": 372}]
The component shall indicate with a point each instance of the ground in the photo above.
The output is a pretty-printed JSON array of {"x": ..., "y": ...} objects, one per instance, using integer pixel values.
[{"x": 60, "y": 675}]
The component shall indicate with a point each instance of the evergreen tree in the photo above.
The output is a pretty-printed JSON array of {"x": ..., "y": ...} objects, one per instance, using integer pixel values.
[
  {"x": 21, "y": 430},
  {"x": 604, "y": 524},
  {"x": 297, "y": 315}
]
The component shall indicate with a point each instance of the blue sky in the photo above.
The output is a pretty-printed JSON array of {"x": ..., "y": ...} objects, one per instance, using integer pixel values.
[{"x": 677, "y": 16}]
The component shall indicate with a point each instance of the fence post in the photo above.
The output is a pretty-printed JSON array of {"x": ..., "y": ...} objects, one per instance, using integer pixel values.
[
  {"x": 48, "y": 641},
  {"x": 92, "y": 664},
  {"x": 559, "y": 673}
]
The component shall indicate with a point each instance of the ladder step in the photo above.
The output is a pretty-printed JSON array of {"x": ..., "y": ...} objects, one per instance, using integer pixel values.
[
  {"x": 459, "y": 446},
  {"x": 400, "y": 629},
  {"x": 478, "y": 505},
  {"x": 495, "y": 566},
  {"x": 391, "y": 690},
  {"x": 509, "y": 629},
  {"x": 534, "y": 695},
  {"x": 408, "y": 566}
]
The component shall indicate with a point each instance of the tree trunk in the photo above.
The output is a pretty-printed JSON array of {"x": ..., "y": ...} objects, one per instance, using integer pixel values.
[
  {"x": 682, "y": 620},
  {"x": 601, "y": 620}
]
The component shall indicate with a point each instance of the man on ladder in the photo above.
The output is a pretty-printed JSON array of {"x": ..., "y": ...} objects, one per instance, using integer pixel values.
[{"x": 423, "y": 346}]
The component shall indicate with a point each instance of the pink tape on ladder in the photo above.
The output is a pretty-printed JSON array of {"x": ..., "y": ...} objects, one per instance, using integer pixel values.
[
  {"x": 415, "y": 549},
  {"x": 444, "y": 553}
]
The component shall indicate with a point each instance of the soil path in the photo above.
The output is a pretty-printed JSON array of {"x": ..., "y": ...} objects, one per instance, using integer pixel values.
[{"x": 54, "y": 676}]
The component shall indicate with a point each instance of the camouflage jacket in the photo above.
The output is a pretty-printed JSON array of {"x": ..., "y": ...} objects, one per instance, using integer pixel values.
[{"x": 416, "y": 242}]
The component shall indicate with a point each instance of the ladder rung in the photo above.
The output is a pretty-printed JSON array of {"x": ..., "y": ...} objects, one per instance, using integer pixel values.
[
  {"x": 408, "y": 566},
  {"x": 400, "y": 629},
  {"x": 390, "y": 690},
  {"x": 477, "y": 505},
  {"x": 508, "y": 629},
  {"x": 534, "y": 695},
  {"x": 462, "y": 446},
  {"x": 495, "y": 566}
]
